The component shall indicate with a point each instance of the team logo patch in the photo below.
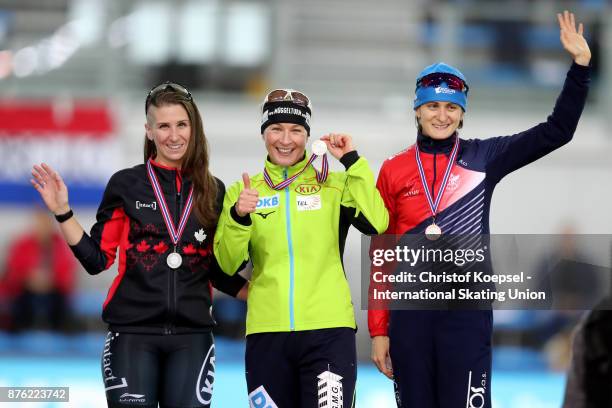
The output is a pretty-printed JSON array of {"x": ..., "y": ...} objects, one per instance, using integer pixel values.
[
  {"x": 308, "y": 203},
  {"x": 152, "y": 205},
  {"x": 453, "y": 182},
  {"x": 443, "y": 90},
  {"x": 200, "y": 235},
  {"x": 307, "y": 189},
  {"x": 204, "y": 387},
  {"x": 330, "y": 390},
  {"x": 268, "y": 202},
  {"x": 259, "y": 398},
  {"x": 411, "y": 189}
]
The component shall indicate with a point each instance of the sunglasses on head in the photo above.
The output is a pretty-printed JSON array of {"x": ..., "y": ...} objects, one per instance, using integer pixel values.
[
  {"x": 291, "y": 95},
  {"x": 451, "y": 81},
  {"x": 172, "y": 86}
]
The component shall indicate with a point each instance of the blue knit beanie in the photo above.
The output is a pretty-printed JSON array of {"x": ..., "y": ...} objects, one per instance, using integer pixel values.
[{"x": 440, "y": 93}]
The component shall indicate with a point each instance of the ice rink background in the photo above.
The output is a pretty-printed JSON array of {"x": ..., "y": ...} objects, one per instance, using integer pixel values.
[{"x": 511, "y": 389}]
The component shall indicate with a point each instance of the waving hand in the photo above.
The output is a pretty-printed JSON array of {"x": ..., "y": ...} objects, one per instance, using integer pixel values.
[{"x": 573, "y": 41}]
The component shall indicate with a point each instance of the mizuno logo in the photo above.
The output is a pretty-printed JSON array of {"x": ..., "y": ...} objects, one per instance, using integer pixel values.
[{"x": 265, "y": 215}]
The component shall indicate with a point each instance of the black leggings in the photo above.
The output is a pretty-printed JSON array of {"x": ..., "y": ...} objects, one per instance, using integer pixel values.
[
  {"x": 302, "y": 369},
  {"x": 142, "y": 370}
]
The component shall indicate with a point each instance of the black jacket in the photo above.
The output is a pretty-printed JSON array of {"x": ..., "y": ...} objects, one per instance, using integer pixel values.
[{"x": 147, "y": 296}]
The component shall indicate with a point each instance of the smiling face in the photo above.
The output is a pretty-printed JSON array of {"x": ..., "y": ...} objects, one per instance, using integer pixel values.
[
  {"x": 439, "y": 120},
  {"x": 285, "y": 142},
  {"x": 168, "y": 126}
]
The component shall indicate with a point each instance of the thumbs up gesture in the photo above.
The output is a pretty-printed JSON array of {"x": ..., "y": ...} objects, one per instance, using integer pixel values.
[{"x": 247, "y": 200}]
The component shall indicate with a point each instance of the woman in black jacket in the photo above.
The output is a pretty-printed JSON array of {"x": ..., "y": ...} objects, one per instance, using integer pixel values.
[{"x": 161, "y": 217}]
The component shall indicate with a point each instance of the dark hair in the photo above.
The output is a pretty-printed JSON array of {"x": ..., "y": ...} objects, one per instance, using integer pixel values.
[{"x": 195, "y": 162}]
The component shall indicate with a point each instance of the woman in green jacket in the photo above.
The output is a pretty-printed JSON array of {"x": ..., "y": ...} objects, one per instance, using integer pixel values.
[{"x": 291, "y": 221}]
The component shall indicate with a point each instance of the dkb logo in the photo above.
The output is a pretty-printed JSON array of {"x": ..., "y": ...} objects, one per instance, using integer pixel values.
[{"x": 259, "y": 398}]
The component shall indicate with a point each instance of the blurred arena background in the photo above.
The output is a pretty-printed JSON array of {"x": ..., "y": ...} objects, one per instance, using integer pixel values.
[{"x": 74, "y": 75}]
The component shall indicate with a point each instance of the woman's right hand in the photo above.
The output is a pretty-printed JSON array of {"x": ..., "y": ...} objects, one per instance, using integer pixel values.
[
  {"x": 51, "y": 188},
  {"x": 247, "y": 200},
  {"x": 381, "y": 356}
]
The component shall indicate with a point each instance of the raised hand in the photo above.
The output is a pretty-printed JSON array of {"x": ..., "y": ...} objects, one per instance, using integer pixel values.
[
  {"x": 338, "y": 144},
  {"x": 573, "y": 41},
  {"x": 51, "y": 188},
  {"x": 247, "y": 200}
]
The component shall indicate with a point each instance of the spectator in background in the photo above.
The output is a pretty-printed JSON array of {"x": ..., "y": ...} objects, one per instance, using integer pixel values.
[
  {"x": 574, "y": 285},
  {"x": 590, "y": 374},
  {"x": 39, "y": 278}
]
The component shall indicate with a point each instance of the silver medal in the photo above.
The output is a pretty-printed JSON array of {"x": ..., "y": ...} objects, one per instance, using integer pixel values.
[
  {"x": 319, "y": 147},
  {"x": 433, "y": 232},
  {"x": 174, "y": 260}
]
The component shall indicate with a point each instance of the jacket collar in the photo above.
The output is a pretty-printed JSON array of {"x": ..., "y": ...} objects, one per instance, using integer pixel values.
[
  {"x": 167, "y": 174},
  {"x": 429, "y": 145},
  {"x": 163, "y": 166},
  {"x": 277, "y": 172}
]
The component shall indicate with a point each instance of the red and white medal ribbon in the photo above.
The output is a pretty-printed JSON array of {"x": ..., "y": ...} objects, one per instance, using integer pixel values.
[
  {"x": 434, "y": 230},
  {"x": 321, "y": 175},
  {"x": 174, "y": 259}
]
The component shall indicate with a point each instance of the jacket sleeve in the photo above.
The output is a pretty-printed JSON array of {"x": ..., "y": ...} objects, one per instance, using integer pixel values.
[
  {"x": 231, "y": 244},
  {"x": 361, "y": 201},
  {"x": 97, "y": 251},
  {"x": 378, "y": 314},
  {"x": 230, "y": 285},
  {"x": 508, "y": 153}
]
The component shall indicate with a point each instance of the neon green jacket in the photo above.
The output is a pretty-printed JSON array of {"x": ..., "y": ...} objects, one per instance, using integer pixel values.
[{"x": 295, "y": 240}]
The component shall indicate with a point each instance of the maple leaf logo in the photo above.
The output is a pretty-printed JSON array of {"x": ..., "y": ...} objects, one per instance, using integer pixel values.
[
  {"x": 200, "y": 235},
  {"x": 161, "y": 247},
  {"x": 189, "y": 250},
  {"x": 143, "y": 246}
]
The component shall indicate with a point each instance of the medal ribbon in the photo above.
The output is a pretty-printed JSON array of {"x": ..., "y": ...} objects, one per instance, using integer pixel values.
[
  {"x": 321, "y": 175},
  {"x": 175, "y": 234},
  {"x": 433, "y": 206}
]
